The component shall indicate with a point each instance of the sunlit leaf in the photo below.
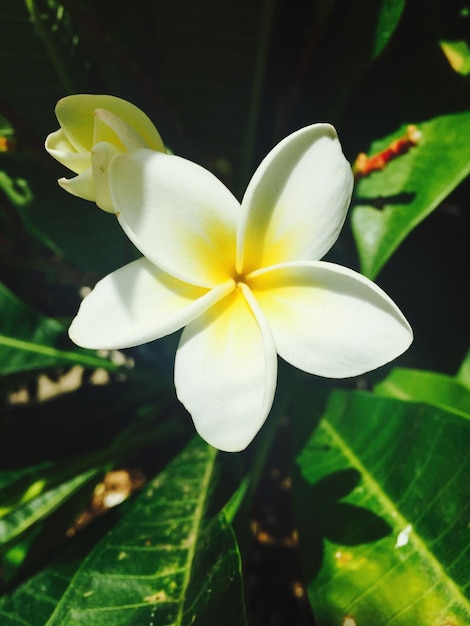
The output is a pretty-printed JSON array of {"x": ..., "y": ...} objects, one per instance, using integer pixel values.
[
  {"x": 27, "y": 340},
  {"x": 40, "y": 502},
  {"x": 463, "y": 375},
  {"x": 381, "y": 492},
  {"x": 409, "y": 189},
  {"x": 430, "y": 387},
  {"x": 169, "y": 561},
  {"x": 458, "y": 55},
  {"x": 23, "y": 516}
]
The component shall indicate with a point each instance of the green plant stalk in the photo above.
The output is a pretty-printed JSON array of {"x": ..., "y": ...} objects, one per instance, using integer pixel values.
[
  {"x": 241, "y": 499},
  {"x": 258, "y": 80},
  {"x": 65, "y": 79}
]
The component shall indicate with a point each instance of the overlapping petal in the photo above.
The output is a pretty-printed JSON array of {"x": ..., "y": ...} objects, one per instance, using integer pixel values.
[
  {"x": 329, "y": 320},
  {"x": 225, "y": 372},
  {"x": 178, "y": 214},
  {"x": 82, "y": 185},
  {"x": 101, "y": 156},
  {"x": 116, "y": 131},
  {"x": 62, "y": 150},
  {"x": 296, "y": 202},
  {"x": 76, "y": 115},
  {"x": 136, "y": 304}
]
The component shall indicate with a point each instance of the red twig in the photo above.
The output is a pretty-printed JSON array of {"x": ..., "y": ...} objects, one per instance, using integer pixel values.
[{"x": 364, "y": 165}]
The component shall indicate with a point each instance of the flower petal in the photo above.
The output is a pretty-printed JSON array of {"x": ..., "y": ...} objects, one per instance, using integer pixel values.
[
  {"x": 177, "y": 213},
  {"x": 225, "y": 372},
  {"x": 113, "y": 129},
  {"x": 297, "y": 200},
  {"x": 101, "y": 156},
  {"x": 59, "y": 147},
  {"x": 76, "y": 116},
  {"x": 136, "y": 304},
  {"x": 81, "y": 186},
  {"x": 328, "y": 320}
]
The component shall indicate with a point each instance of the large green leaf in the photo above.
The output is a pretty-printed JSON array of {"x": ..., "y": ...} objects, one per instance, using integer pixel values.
[
  {"x": 168, "y": 562},
  {"x": 40, "y": 499},
  {"x": 409, "y": 189},
  {"x": 430, "y": 387},
  {"x": 27, "y": 340},
  {"x": 381, "y": 495}
]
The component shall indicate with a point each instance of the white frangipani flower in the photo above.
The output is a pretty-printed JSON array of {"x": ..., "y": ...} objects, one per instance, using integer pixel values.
[
  {"x": 244, "y": 280},
  {"x": 93, "y": 130}
]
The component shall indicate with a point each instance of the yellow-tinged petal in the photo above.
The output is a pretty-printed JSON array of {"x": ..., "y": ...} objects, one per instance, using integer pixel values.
[
  {"x": 178, "y": 214},
  {"x": 81, "y": 186},
  {"x": 76, "y": 115},
  {"x": 113, "y": 129},
  {"x": 136, "y": 304},
  {"x": 329, "y": 320},
  {"x": 296, "y": 202},
  {"x": 225, "y": 372},
  {"x": 101, "y": 156},
  {"x": 59, "y": 147}
]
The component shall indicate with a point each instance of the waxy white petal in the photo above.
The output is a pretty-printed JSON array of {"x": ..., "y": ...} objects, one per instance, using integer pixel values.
[
  {"x": 81, "y": 185},
  {"x": 297, "y": 200},
  {"x": 136, "y": 304},
  {"x": 225, "y": 372},
  {"x": 178, "y": 214},
  {"x": 329, "y": 320},
  {"x": 76, "y": 115},
  {"x": 59, "y": 147}
]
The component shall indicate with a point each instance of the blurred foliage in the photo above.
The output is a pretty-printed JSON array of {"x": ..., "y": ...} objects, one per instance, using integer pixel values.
[{"x": 380, "y": 486}]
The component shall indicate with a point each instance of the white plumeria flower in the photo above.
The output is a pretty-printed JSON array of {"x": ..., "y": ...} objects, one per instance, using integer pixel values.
[
  {"x": 93, "y": 130},
  {"x": 244, "y": 280}
]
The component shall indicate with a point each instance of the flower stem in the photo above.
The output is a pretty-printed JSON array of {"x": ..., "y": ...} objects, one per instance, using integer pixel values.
[
  {"x": 65, "y": 79},
  {"x": 258, "y": 80}
]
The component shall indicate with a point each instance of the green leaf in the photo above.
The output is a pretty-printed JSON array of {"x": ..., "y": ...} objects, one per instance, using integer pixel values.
[
  {"x": 429, "y": 387},
  {"x": 54, "y": 580},
  {"x": 27, "y": 340},
  {"x": 380, "y": 495},
  {"x": 40, "y": 502},
  {"x": 389, "y": 17},
  {"x": 22, "y": 517},
  {"x": 409, "y": 189},
  {"x": 463, "y": 375},
  {"x": 458, "y": 55},
  {"x": 168, "y": 561}
]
